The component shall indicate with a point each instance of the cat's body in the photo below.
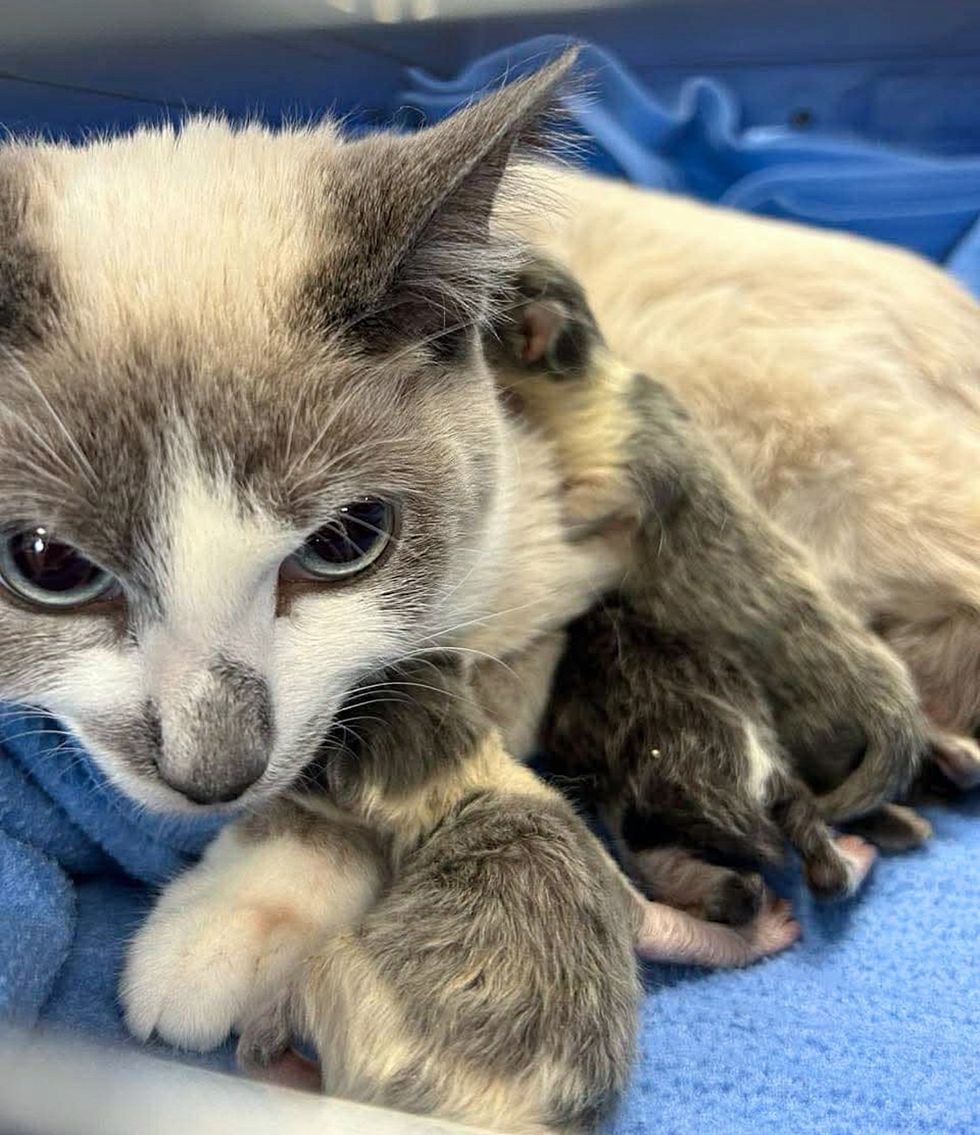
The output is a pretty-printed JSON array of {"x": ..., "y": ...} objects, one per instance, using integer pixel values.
[{"x": 686, "y": 704}]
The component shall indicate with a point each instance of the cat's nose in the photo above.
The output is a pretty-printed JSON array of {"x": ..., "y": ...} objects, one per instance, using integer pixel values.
[
  {"x": 216, "y": 789},
  {"x": 215, "y": 740}
]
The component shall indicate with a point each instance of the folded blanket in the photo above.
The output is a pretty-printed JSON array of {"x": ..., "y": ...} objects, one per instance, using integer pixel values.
[{"x": 871, "y": 1024}]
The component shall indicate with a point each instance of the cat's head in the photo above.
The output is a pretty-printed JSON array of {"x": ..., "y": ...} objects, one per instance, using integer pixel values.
[{"x": 250, "y": 449}]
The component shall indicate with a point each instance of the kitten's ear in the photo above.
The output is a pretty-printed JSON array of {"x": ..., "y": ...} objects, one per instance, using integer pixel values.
[{"x": 411, "y": 254}]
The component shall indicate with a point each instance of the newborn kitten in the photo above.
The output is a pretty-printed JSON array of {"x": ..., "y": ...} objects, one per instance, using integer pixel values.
[{"x": 665, "y": 694}]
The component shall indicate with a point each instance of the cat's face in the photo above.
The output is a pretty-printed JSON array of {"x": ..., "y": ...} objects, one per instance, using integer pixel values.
[{"x": 242, "y": 462}]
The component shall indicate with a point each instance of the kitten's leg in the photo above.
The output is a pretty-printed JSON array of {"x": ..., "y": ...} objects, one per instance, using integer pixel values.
[
  {"x": 677, "y": 877},
  {"x": 232, "y": 926},
  {"x": 833, "y": 866},
  {"x": 670, "y": 935},
  {"x": 894, "y": 827}
]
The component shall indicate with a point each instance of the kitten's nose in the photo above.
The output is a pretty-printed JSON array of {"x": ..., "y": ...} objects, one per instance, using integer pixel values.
[{"x": 216, "y": 738}]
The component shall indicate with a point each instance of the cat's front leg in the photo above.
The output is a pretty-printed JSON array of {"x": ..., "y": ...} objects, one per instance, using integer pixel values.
[
  {"x": 492, "y": 984},
  {"x": 230, "y": 928}
]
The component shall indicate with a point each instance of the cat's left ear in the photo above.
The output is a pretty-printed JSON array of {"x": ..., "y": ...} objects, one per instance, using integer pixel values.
[{"x": 410, "y": 253}]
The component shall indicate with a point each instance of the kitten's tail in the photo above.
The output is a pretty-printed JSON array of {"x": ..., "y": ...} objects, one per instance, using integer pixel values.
[{"x": 891, "y": 759}]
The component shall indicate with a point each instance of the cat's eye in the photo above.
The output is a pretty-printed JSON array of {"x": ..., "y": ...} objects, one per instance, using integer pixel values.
[
  {"x": 38, "y": 567},
  {"x": 347, "y": 544}
]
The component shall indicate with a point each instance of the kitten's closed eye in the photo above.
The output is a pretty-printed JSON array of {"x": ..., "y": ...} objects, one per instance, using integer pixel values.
[{"x": 43, "y": 570}]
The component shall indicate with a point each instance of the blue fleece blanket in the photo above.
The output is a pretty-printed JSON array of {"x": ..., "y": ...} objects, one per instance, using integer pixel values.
[{"x": 871, "y": 1024}]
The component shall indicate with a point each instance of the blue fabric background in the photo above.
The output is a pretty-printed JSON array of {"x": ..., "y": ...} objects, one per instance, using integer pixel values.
[{"x": 872, "y": 1023}]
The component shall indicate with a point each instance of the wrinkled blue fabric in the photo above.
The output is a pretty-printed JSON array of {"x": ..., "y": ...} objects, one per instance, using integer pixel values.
[
  {"x": 63, "y": 828},
  {"x": 697, "y": 146},
  {"x": 872, "y": 1023}
]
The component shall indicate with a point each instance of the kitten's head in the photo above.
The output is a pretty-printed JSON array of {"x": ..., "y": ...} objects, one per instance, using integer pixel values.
[{"x": 249, "y": 447}]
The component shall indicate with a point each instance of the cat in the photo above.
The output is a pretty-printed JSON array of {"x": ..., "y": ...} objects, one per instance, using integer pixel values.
[
  {"x": 252, "y": 455},
  {"x": 840, "y": 379},
  {"x": 706, "y": 565}
]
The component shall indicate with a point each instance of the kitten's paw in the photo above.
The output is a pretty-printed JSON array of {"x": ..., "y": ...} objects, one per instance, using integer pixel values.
[
  {"x": 192, "y": 969},
  {"x": 894, "y": 827},
  {"x": 839, "y": 867},
  {"x": 290, "y": 1070},
  {"x": 859, "y": 856},
  {"x": 266, "y": 1033},
  {"x": 958, "y": 759},
  {"x": 774, "y": 930},
  {"x": 736, "y": 900}
]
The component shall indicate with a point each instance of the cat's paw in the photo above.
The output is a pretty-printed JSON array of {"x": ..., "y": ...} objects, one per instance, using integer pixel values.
[
  {"x": 893, "y": 827},
  {"x": 193, "y": 968},
  {"x": 735, "y": 900},
  {"x": 858, "y": 855}
]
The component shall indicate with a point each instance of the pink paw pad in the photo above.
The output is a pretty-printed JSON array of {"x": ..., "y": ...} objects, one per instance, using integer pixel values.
[{"x": 775, "y": 929}]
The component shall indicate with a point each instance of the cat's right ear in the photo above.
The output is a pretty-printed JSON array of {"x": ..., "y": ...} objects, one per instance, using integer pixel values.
[{"x": 410, "y": 253}]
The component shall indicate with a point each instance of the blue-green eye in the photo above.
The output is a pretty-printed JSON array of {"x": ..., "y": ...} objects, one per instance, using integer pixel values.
[
  {"x": 346, "y": 545},
  {"x": 48, "y": 573}
]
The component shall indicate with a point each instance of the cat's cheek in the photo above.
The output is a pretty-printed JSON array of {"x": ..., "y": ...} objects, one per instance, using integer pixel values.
[
  {"x": 328, "y": 643},
  {"x": 94, "y": 683}
]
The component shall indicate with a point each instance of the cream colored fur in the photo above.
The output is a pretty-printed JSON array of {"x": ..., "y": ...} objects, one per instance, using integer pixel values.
[{"x": 841, "y": 377}]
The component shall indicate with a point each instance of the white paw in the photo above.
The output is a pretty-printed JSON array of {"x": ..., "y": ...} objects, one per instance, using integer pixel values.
[{"x": 195, "y": 966}]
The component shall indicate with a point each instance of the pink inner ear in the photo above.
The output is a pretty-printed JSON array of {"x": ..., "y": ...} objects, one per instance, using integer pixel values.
[{"x": 540, "y": 323}]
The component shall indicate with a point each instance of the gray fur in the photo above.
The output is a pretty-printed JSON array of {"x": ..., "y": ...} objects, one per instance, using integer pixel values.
[
  {"x": 498, "y": 964},
  {"x": 286, "y": 388},
  {"x": 657, "y": 730},
  {"x": 710, "y": 569},
  {"x": 219, "y": 744},
  {"x": 417, "y": 253},
  {"x": 424, "y": 701},
  {"x": 843, "y": 705},
  {"x": 28, "y": 289}
]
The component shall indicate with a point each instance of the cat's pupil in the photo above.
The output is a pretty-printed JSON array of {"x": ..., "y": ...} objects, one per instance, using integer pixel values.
[
  {"x": 352, "y": 535},
  {"x": 48, "y": 564}
]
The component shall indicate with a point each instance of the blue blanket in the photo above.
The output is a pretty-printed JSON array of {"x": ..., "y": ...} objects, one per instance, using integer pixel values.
[{"x": 872, "y": 1024}]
